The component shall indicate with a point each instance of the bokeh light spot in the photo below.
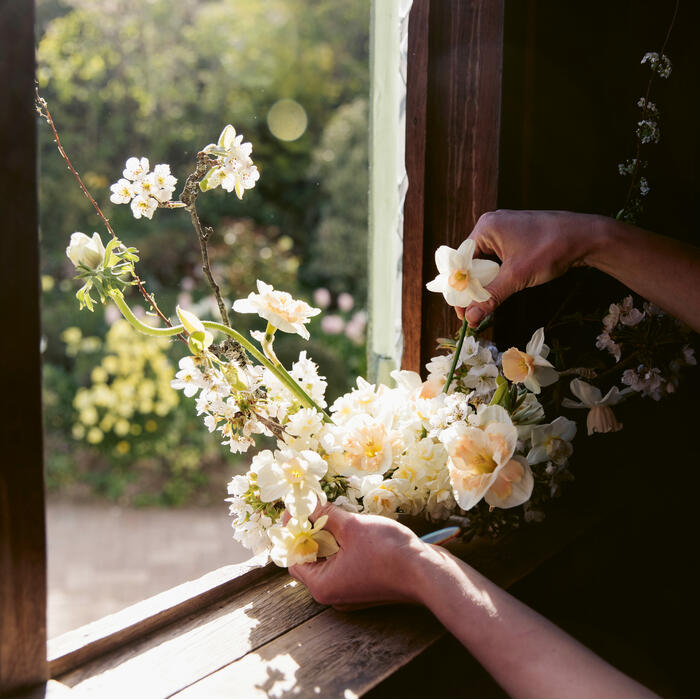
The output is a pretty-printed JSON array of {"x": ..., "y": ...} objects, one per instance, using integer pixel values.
[{"x": 287, "y": 120}]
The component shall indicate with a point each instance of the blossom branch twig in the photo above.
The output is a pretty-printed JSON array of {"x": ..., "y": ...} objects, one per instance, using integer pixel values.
[
  {"x": 189, "y": 198},
  {"x": 44, "y": 112}
]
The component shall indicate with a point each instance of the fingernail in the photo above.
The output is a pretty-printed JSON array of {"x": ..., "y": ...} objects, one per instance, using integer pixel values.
[
  {"x": 460, "y": 312},
  {"x": 474, "y": 316}
]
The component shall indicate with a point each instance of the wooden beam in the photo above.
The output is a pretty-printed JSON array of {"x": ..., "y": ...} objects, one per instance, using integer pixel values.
[
  {"x": 412, "y": 258},
  {"x": 80, "y": 646},
  {"x": 465, "y": 55},
  {"x": 22, "y": 535}
]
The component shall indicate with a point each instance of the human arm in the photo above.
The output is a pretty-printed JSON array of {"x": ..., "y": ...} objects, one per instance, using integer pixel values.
[
  {"x": 537, "y": 246},
  {"x": 382, "y": 561}
]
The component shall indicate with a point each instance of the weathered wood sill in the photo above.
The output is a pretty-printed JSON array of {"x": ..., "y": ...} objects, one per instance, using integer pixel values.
[{"x": 251, "y": 631}]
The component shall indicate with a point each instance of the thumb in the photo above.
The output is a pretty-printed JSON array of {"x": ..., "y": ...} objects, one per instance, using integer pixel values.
[{"x": 500, "y": 289}]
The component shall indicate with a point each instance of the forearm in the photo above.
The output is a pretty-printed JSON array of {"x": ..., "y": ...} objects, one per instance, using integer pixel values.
[
  {"x": 526, "y": 654},
  {"x": 658, "y": 268}
]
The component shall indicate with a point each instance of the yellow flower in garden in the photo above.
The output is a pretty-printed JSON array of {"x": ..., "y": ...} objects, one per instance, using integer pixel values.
[{"x": 133, "y": 380}]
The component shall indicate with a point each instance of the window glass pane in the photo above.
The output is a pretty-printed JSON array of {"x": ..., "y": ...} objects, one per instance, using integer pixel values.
[{"x": 136, "y": 482}]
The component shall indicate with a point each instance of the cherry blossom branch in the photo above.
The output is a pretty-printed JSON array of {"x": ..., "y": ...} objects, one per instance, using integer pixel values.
[
  {"x": 43, "y": 110},
  {"x": 189, "y": 198},
  {"x": 645, "y": 109}
]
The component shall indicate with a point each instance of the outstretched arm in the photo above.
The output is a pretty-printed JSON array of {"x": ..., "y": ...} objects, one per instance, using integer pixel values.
[
  {"x": 382, "y": 561},
  {"x": 537, "y": 246}
]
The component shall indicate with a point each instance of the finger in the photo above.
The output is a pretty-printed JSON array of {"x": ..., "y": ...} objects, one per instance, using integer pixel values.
[
  {"x": 500, "y": 289},
  {"x": 337, "y": 519},
  {"x": 460, "y": 312}
]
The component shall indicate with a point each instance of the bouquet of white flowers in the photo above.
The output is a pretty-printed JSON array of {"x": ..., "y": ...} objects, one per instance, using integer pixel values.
[{"x": 472, "y": 433}]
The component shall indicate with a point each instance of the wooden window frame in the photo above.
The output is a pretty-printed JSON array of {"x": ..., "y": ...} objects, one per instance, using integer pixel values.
[{"x": 453, "y": 117}]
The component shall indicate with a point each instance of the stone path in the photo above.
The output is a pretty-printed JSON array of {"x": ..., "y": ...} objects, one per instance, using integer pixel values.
[{"x": 103, "y": 557}]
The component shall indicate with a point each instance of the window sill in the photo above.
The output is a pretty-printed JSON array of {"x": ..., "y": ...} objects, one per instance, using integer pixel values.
[{"x": 253, "y": 631}]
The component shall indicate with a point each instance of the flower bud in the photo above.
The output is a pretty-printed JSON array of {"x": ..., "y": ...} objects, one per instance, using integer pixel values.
[
  {"x": 200, "y": 338},
  {"x": 86, "y": 251}
]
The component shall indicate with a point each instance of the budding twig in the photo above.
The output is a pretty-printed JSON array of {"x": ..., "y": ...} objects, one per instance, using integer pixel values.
[
  {"x": 43, "y": 110},
  {"x": 188, "y": 197}
]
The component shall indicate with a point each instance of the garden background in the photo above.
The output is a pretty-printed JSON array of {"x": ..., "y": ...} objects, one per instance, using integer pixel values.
[{"x": 160, "y": 79}]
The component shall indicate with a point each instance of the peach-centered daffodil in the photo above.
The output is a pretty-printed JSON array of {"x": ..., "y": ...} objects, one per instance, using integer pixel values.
[
  {"x": 462, "y": 279},
  {"x": 530, "y": 368},
  {"x": 478, "y": 455},
  {"x": 279, "y": 309},
  {"x": 601, "y": 418},
  {"x": 298, "y": 542}
]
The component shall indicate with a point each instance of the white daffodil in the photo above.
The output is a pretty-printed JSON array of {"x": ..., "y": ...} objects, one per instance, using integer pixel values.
[
  {"x": 601, "y": 418},
  {"x": 293, "y": 477},
  {"x": 298, "y": 542},
  {"x": 234, "y": 168},
  {"x": 530, "y": 368},
  {"x": 369, "y": 445},
  {"x": 552, "y": 442},
  {"x": 86, "y": 251},
  {"x": 478, "y": 454},
  {"x": 462, "y": 279},
  {"x": 279, "y": 309}
]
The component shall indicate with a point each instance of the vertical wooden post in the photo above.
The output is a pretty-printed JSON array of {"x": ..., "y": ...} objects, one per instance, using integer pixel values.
[
  {"x": 458, "y": 178},
  {"x": 22, "y": 536}
]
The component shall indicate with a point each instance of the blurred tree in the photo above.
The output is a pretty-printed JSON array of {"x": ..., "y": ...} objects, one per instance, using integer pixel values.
[{"x": 338, "y": 258}]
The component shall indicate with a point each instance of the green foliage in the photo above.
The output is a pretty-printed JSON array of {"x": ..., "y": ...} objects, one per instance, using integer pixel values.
[{"x": 340, "y": 165}]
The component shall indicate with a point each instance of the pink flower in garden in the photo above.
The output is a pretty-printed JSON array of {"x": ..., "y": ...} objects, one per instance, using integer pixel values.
[
  {"x": 345, "y": 301},
  {"x": 332, "y": 324},
  {"x": 322, "y": 297}
]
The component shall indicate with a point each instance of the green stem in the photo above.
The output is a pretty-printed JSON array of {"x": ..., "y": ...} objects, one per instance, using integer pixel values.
[
  {"x": 460, "y": 342},
  {"x": 278, "y": 371}
]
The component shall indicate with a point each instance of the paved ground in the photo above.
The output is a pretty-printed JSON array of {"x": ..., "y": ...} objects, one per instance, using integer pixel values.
[{"x": 102, "y": 558}]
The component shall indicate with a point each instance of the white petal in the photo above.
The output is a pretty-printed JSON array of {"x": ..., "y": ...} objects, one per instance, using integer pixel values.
[
  {"x": 442, "y": 258},
  {"x": 476, "y": 291},
  {"x": 534, "y": 347},
  {"x": 485, "y": 270},
  {"x": 466, "y": 250},
  {"x": 589, "y": 394},
  {"x": 437, "y": 284}
]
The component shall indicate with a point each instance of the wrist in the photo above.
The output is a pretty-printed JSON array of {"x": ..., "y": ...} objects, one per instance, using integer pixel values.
[
  {"x": 427, "y": 569},
  {"x": 602, "y": 238}
]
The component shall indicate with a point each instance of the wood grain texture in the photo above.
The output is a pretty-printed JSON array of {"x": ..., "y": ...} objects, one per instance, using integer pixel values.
[
  {"x": 332, "y": 655},
  {"x": 22, "y": 536},
  {"x": 77, "y": 647},
  {"x": 462, "y": 137},
  {"x": 416, "y": 115},
  {"x": 170, "y": 659}
]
